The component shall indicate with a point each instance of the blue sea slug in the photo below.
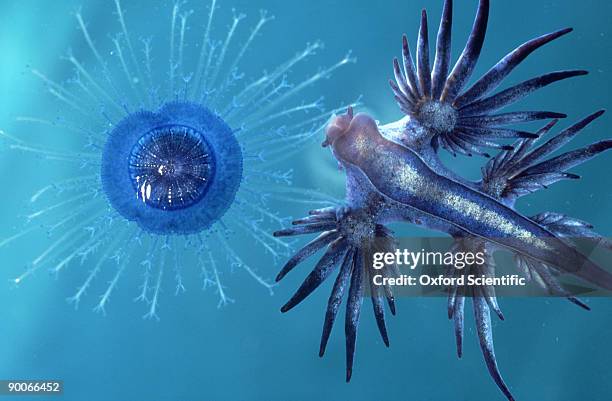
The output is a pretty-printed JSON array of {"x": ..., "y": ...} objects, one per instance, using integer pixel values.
[{"x": 394, "y": 173}]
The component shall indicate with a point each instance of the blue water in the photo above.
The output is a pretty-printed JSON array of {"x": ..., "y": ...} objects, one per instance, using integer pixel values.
[{"x": 548, "y": 349}]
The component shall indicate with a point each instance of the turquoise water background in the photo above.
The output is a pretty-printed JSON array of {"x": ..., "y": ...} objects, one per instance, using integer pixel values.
[{"x": 548, "y": 349}]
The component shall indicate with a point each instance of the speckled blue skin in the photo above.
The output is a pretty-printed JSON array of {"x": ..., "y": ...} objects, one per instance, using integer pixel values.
[
  {"x": 394, "y": 173},
  {"x": 220, "y": 192},
  {"x": 376, "y": 162}
]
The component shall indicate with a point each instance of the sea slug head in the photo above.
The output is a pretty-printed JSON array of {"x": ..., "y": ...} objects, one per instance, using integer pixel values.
[
  {"x": 337, "y": 127},
  {"x": 352, "y": 137}
]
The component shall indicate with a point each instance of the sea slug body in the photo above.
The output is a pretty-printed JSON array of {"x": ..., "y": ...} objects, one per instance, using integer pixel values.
[{"x": 394, "y": 173}]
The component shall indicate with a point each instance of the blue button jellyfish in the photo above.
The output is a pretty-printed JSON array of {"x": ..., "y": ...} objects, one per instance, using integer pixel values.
[{"x": 175, "y": 160}]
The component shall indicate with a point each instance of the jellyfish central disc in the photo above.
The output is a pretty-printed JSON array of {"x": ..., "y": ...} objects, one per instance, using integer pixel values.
[
  {"x": 171, "y": 167},
  {"x": 175, "y": 170}
]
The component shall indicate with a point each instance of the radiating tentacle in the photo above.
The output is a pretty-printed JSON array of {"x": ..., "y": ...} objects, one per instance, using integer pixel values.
[
  {"x": 553, "y": 285},
  {"x": 390, "y": 299},
  {"x": 508, "y": 118},
  {"x": 468, "y": 148},
  {"x": 326, "y": 211},
  {"x": 402, "y": 87},
  {"x": 485, "y": 335},
  {"x": 409, "y": 68},
  {"x": 514, "y": 93},
  {"x": 458, "y": 320},
  {"x": 542, "y": 276},
  {"x": 494, "y": 132},
  {"x": 452, "y": 290},
  {"x": 406, "y": 105},
  {"x": 461, "y": 146},
  {"x": 569, "y": 227},
  {"x": 489, "y": 294},
  {"x": 497, "y": 73},
  {"x": 551, "y": 220},
  {"x": 452, "y": 298},
  {"x": 308, "y": 250},
  {"x": 313, "y": 219},
  {"x": 379, "y": 310},
  {"x": 443, "y": 51},
  {"x": 335, "y": 298},
  {"x": 389, "y": 244},
  {"x": 558, "y": 141},
  {"x": 322, "y": 270},
  {"x": 353, "y": 310},
  {"x": 482, "y": 142},
  {"x": 521, "y": 171},
  {"x": 523, "y": 267},
  {"x": 488, "y": 291},
  {"x": 528, "y": 184},
  {"x": 569, "y": 159},
  {"x": 307, "y": 229},
  {"x": 467, "y": 61},
  {"x": 451, "y": 146},
  {"x": 578, "y": 302},
  {"x": 423, "y": 57},
  {"x": 505, "y": 164}
]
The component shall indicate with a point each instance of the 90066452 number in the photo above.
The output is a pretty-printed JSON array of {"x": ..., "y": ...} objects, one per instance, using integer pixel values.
[{"x": 31, "y": 387}]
